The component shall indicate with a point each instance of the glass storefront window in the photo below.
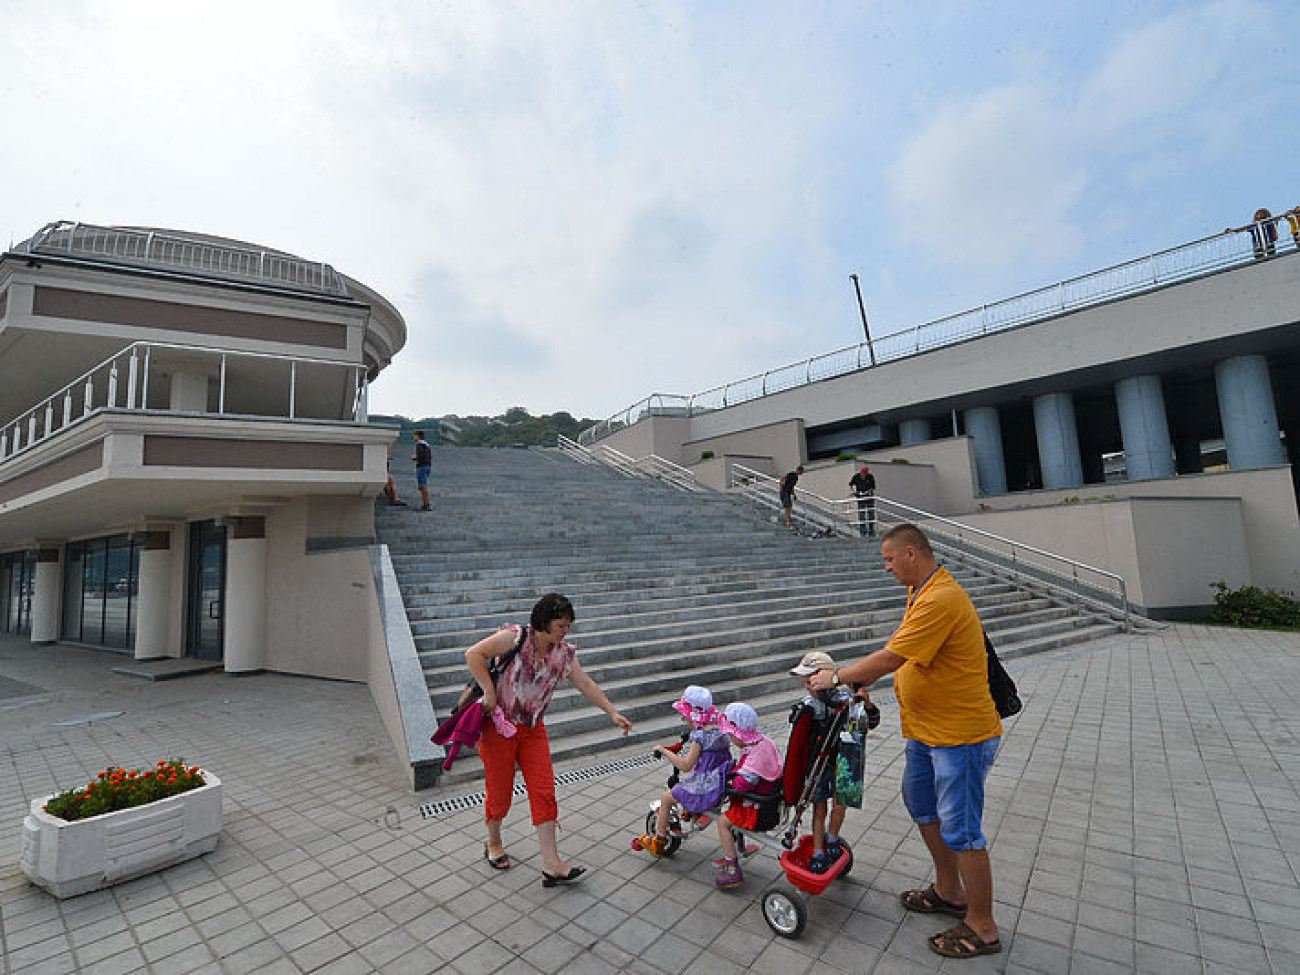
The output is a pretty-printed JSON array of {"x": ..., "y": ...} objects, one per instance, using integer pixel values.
[{"x": 101, "y": 583}]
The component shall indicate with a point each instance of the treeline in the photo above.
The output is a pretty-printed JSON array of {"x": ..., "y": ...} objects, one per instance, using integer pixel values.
[{"x": 514, "y": 427}]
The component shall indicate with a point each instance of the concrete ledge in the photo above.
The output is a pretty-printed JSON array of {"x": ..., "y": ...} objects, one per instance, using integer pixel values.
[{"x": 167, "y": 668}]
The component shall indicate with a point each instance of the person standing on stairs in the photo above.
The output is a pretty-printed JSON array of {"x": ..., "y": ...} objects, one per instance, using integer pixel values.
[
  {"x": 523, "y": 693},
  {"x": 423, "y": 458},
  {"x": 787, "y": 493}
]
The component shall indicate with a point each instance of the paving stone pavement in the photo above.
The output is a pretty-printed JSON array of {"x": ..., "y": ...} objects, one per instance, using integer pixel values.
[{"x": 1144, "y": 815}]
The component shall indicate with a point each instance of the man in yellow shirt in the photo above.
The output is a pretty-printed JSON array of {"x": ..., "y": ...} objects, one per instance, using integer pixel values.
[{"x": 952, "y": 729}]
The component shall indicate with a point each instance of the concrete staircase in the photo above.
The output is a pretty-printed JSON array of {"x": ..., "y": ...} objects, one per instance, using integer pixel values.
[{"x": 670, "y": 589}]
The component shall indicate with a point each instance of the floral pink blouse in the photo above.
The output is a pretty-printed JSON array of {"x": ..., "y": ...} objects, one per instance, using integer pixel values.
[{"x": 525, "y": 689}]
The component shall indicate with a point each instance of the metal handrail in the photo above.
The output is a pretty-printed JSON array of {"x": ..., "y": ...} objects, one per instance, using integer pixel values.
[
  {"x": 121, "y": 382},
  {"x": 1025, "y": 564},
  {"x": 161, "y": 249},
  {"x": 1144, "y": 274},
  {"x": 651, "y": 465}
]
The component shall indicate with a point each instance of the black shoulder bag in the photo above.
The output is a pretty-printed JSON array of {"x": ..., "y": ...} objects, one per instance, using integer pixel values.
[
  {"x": 496, "y": 667},
  {"x": 1003, "y": 689}
]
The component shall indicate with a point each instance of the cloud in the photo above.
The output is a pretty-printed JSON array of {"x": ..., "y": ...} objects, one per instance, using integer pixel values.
[{"x": 1005, "y": 176}]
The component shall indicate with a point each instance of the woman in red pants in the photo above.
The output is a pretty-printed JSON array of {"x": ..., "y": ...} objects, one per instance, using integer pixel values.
[{"x": 517, "y": 736}]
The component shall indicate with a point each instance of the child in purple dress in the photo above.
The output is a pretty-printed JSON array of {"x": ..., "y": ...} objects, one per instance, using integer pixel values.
[{"x": 703, "y": 763}]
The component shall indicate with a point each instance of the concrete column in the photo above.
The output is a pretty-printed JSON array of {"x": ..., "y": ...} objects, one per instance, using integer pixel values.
[
  {"x": 189, "y": 392},
  {"x": 245, "y": 619},
  {"x": 913, "y": 431},
  {"x": 985, "y": 431},
  {"x": 46, "y": 593},
  {"x": 153, "y": 603},
  {"x": 1058, "y": 440},
  {"x": 1247, "y": 412},
  {"x": 1148, "y": 452}
]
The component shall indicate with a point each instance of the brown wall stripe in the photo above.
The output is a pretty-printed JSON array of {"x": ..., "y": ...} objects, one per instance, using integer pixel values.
[
  {"x": 161, "y": 451},
  {"x": 83, "y": 461},
  {"x": 87, "y": 306}
]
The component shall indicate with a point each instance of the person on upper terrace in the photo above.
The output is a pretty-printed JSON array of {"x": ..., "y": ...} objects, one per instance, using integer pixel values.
[{"x": 1263, "y": 233}]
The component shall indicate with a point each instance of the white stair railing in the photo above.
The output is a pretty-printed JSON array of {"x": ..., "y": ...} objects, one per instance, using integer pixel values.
[
  {"x": 1026, "y": 565},
  {"x": 650, "y": 466}
]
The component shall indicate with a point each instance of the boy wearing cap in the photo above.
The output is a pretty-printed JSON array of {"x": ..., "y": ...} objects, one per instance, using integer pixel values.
[{"x": 842, "y": 777}]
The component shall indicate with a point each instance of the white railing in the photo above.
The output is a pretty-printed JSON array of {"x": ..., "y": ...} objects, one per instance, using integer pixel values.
[
  {"x": 193, "y": 255},
  {"x": 1078, "y": 582},
  {"x": 1198, "y": 258},
  {"x": 649, "y": 466},
  {"x": 132, "y": 381}
]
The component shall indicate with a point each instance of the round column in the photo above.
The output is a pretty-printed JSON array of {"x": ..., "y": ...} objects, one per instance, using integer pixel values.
[
  {"x": 1148, "y": 452},
  {"x": 913, "y": 431},
  {"x": 48, "y": 583},
  {"x": 245, "y": 611},
  {"x": 1247, "y": 412},
  {"x": 154, "y": 600},
  {"x": 1058, "y": 440},
  {"x": 985, "y": 430}
]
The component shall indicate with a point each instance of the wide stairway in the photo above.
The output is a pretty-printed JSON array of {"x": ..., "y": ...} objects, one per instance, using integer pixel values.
[{"x": 670, "y": 589}]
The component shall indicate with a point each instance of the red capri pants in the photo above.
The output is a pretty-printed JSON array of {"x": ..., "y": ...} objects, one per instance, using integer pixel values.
[{"x": 530, "y": 750}]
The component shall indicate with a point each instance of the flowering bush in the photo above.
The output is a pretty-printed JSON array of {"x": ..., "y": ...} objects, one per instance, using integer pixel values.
[{"x": 116, "y": 788}]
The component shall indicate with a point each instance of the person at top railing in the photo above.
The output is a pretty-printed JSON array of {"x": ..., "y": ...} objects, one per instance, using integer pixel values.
[
  {"x": 1263, "y": 233},
  {"x": 787, "y": 494},
  {"x": 1293, "y": 219}
]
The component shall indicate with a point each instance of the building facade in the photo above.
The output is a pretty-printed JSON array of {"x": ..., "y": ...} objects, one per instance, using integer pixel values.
[
  {"x": 1144, "y": 419},
  {"x": 186, "y": 463}
]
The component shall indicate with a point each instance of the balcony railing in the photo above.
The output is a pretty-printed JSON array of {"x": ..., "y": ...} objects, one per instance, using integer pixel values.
[
  {"x": 190, "y": 255},
  {"x": 1183, "y": 263},
  {"x": 142, "y": 378}
]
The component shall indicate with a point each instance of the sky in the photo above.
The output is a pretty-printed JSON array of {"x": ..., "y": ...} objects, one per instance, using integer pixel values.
[{"x": 575, "y": 205}]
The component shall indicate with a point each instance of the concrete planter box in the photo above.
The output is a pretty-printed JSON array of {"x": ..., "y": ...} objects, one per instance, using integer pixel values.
[{"x": 71, "y": 858}]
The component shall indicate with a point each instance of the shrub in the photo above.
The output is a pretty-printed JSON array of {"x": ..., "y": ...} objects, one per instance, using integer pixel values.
[
  {"x": 116, "y": 788},
  {"x": 845, "y": 456},
  {"x": 899, "y": 460},
  {"x": 1251, "y": 606},
  {"x": 706, "y": 455}
]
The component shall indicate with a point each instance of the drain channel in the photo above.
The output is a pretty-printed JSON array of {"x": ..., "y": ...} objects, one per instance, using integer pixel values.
[{"x": 472, "y": 800}]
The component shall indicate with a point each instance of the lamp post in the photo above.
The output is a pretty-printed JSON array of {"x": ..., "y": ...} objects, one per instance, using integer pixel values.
[{"x": 863, "y": 310}]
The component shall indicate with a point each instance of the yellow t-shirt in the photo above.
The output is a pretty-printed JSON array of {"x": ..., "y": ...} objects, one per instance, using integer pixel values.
[{"x": 943, "y": 688}]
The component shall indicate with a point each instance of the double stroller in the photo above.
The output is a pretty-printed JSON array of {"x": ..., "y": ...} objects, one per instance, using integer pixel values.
[{"x": 776, "y": 826}]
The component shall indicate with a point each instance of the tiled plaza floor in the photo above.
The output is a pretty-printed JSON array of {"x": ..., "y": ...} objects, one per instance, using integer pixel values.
[{"x": 1144, "y": 815}]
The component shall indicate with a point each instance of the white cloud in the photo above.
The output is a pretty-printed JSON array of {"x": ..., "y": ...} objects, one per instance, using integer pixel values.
[{"x": 1004, "y": 176}]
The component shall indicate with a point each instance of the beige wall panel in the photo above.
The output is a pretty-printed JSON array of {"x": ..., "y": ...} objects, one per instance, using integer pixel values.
[{"x": 319, "y": 605}]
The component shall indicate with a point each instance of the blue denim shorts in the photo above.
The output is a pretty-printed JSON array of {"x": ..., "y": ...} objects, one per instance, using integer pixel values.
[
  {"x": 946, "y": 786},
  {"x": 422, "y": 476}
]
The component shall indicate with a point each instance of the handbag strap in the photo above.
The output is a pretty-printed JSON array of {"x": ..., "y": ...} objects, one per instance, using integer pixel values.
[{"x": 499, "y": 664}]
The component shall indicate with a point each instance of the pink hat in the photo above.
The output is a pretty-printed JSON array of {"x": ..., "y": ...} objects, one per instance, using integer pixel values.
[
  {"x": 696, "y": 705},
  {"x": 742, "y": 721}
]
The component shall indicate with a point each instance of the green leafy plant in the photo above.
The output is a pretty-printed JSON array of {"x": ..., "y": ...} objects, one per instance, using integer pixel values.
[
  {"x": 706, "y": 455},
  {"x": 841, "y": 458},
  {"x": 116, "y": 788},
  {"x": 1251, "y": 606},
  {"x": 899, "y": 460}
]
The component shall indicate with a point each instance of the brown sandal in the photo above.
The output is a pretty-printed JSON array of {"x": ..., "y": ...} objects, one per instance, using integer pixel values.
[
  {"x": 928, "y": 901},
  {"x": 962, "y": 942}
]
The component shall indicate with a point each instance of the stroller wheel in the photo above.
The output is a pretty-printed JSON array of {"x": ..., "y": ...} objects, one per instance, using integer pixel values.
[{"x": 784, "y": 911}]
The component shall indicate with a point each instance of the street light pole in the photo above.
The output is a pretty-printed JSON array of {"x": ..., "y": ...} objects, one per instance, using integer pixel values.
[{"x": 863, "y": 310}]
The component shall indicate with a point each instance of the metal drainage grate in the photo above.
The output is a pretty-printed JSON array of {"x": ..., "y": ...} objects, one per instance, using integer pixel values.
[{"x": 472, "y": 800}]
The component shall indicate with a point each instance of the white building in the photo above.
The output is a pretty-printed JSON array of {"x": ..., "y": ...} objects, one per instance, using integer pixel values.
[{"x": 186, "y": 467}]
